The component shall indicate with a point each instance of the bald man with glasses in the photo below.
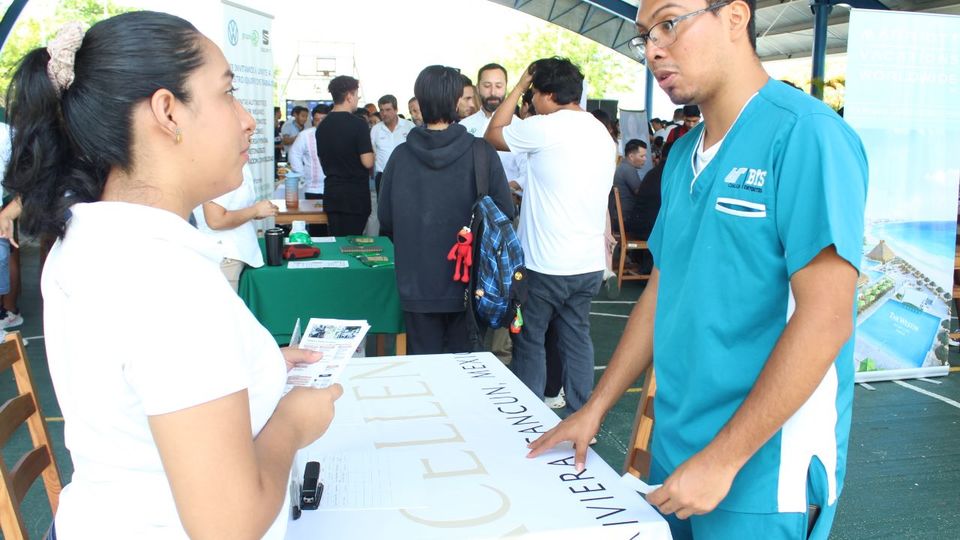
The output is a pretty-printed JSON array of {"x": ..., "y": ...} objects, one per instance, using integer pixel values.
[{"x": 749, "y": 310}]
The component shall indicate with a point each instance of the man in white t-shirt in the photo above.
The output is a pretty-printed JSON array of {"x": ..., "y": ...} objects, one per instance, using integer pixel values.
[
  {"x": 303, "y": 156},
  {"x": 387, "y": 135},
  {"x": 570, "y": 172}
]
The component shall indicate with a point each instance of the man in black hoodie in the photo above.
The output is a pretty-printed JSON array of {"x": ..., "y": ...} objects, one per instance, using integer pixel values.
[{"x": 426, "y": 197}]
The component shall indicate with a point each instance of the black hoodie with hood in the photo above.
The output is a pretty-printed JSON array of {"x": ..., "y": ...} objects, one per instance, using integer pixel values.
[{"x": 426, "y": 197}]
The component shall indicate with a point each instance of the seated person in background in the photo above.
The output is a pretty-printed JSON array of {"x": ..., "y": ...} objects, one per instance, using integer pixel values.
[
  {"x": 646, "y": 204},
  {"x": 170, "y": 388},
  {"x": 229, "y": 220},
  {"x": 627, "y": 178},
  {"x": 426, "y": 197}
]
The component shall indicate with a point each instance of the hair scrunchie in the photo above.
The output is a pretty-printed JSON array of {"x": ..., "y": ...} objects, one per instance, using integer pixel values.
[{"x": 62, "y": 50}]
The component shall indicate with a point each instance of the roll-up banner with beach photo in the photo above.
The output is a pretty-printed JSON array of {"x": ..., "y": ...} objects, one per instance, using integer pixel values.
[{"x": 902, "y": 91}]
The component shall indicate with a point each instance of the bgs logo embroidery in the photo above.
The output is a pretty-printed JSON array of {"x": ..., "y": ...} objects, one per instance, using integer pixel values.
[
  {"x": 734, "y": 176},
  {"x": 755, "y": 179}
]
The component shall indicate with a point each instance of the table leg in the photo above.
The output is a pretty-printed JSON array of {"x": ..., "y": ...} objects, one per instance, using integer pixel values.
[
  {"x": 381, "y": 344},
  {"x": 401, "y": 344}
]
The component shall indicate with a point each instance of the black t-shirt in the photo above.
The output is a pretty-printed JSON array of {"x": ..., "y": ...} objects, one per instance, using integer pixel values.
[{"x": 341, "y": 139}]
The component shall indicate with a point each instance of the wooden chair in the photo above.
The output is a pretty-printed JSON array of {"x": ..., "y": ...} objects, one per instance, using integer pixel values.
[
  {"x": 626, "y": 245},
  {"x": 637, "y": 462},
  {"x": 20, "y": 409}
]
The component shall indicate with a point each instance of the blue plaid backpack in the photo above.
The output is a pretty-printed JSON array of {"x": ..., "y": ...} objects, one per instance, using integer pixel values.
[{"x": 497, "y": 280}]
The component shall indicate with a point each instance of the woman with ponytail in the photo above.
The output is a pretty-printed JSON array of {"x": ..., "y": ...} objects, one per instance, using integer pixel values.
[{"x": 171, "y": 392}]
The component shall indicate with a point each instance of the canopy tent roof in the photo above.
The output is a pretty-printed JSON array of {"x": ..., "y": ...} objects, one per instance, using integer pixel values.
[
  {"x": 784, "y": 27},
  {"x": 881, "y": 252}
]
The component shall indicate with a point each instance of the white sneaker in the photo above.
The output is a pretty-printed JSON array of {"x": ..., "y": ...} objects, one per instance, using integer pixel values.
[
  {"x": 11, "y": 320},
  {"x": 557, "y": 402},
  {"x": 611, "y": 286}
]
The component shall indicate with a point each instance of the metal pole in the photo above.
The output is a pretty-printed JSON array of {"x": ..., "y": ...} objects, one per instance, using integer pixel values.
[
  {"x": 821, "y": 12},
  {"x": 648, "y": 94},
  {"x": 9, "y": 18}
]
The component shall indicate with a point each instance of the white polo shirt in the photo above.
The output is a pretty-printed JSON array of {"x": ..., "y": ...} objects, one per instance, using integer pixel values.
[
  {"x": 571, "y": 160},
  {"x": 476, "y": 125},
  {"x": 139, "y": 321},
  {"x": 384, "y": 141},
  {"x": 240, "y": 242}
]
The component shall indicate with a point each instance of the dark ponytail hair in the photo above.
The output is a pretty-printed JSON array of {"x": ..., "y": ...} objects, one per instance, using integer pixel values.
[{"x": 64, "y": 146}]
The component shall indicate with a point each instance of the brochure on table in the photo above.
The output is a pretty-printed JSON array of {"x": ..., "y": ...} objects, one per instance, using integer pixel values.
[{"x": 434, "y": 447}]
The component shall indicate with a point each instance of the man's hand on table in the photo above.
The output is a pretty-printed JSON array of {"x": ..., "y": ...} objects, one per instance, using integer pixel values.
[
  {"x": 580, "y": 427},
  {"x": 696, "y": 487},
  {"x": 294, "y": 356}
]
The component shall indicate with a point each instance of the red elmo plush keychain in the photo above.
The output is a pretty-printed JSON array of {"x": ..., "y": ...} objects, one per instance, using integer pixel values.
[{"x": 462, "y": 253}]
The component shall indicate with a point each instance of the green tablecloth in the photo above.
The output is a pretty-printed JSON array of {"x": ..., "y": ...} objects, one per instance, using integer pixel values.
[{"x": 277, "y": 295}]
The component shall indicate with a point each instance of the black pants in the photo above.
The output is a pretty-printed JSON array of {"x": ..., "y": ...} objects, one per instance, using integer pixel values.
[
  {"x": 346, "y": 224},
  {"x": 376, "y": 180},
  {"x": 436, "y": 333},
  {"x": 315, "y": 229}
]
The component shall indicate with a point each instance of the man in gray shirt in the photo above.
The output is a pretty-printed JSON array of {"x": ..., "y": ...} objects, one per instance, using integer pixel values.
[{"x": 627, "y": 176}]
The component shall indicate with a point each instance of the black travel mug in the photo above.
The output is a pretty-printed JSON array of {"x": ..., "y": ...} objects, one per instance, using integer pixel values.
[{"x": 274, "y": 240}]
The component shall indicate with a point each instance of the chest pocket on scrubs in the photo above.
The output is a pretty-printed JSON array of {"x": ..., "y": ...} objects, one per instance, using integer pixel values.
[{"x": 740, "y": 207}]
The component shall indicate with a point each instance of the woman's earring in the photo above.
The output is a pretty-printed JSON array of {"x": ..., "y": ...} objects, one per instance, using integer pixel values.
[{"x": 179, "y": 136}]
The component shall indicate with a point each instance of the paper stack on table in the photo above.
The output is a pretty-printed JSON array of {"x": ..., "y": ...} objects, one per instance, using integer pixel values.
[
  {"x": 337, "y": 339},
  {"x": 297, "y": 265}
]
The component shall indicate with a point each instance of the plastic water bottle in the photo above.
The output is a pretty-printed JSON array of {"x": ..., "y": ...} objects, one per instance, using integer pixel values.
[{"x": 291, "y": 188}]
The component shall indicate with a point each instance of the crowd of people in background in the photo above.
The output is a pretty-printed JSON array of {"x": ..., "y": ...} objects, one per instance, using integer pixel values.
[{"x": 339, "y": 149}]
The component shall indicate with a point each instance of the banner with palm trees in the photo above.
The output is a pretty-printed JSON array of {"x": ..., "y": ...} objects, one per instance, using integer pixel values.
[{"x": 903, "y": 82}]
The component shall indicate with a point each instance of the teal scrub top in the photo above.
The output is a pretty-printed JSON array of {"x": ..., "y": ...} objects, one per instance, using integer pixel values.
[{"x": 789, "y": 180}]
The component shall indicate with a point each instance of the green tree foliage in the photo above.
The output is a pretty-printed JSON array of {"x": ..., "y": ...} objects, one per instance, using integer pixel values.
[
  {"x": 834, "y": 89},
  {"x": 31, "y": 32},
  {"x": 606, "y": 71}
]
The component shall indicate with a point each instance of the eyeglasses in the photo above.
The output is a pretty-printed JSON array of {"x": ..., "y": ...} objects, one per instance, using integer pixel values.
[{"x": 664, "y": 34}]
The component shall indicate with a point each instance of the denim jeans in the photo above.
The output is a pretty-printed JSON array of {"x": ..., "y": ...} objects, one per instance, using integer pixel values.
[
  {"x": 4, "y": 266},
  {"x": 564, "y": 300}
]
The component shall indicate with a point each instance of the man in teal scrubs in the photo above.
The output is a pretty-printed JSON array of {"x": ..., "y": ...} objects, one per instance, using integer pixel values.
[{"x": 749, "y": 310}]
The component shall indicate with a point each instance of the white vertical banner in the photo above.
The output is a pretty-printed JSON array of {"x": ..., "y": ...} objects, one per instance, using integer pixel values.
[
  {"x": 246, "y": 43},
  {"x": 902, "y": 90},
  {"x": 633, "y": 125}
]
